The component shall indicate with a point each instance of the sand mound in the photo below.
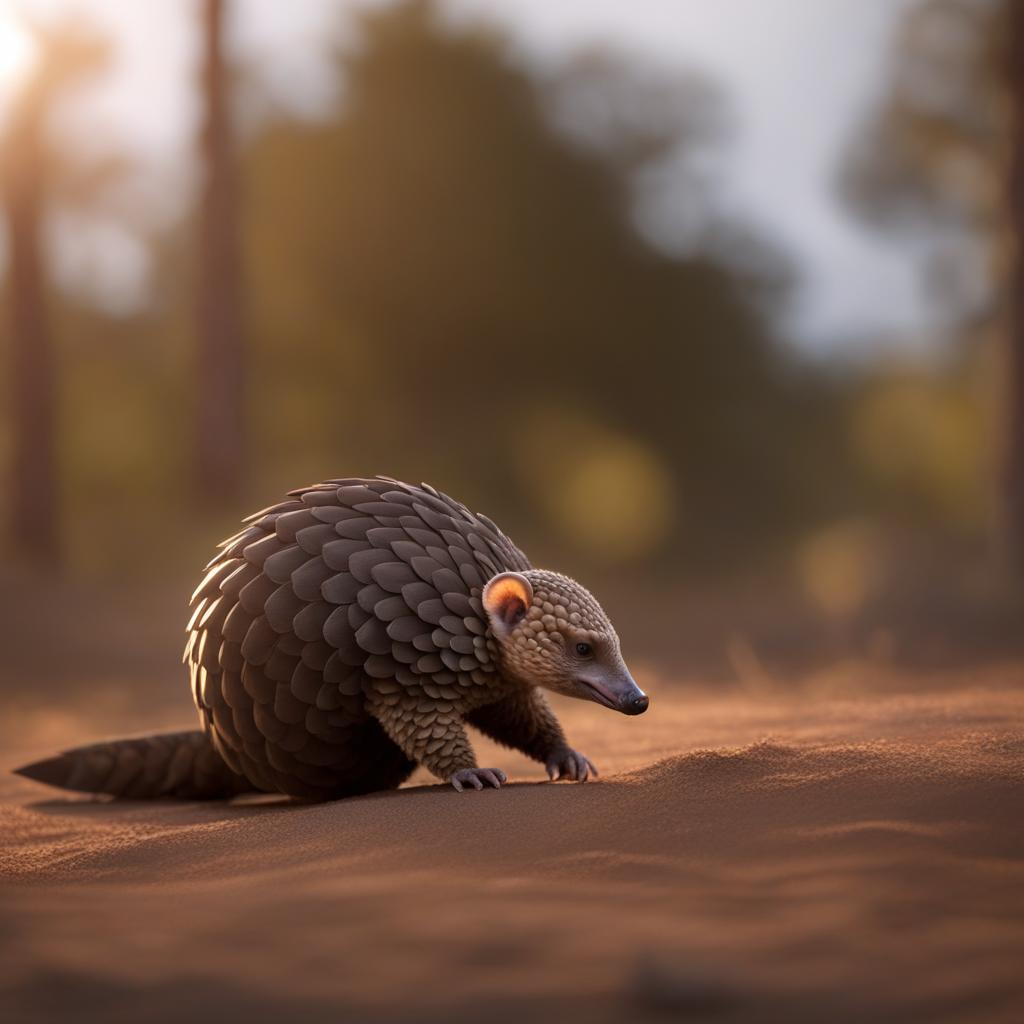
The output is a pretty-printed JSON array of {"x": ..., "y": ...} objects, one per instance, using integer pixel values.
[
  {"x": 724, "y": 803},
  {"x": 779, "y": 879}
]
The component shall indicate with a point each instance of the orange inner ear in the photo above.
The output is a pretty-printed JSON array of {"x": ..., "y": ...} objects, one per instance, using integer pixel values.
[{"x": 506, "y": 599}]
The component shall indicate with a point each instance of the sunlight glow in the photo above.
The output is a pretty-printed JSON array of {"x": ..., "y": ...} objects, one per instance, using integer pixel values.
[{"x": 17, "y": 47}]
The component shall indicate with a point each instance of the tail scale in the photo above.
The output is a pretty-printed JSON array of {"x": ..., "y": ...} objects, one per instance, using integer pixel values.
[{"x": 175, "y": 764}]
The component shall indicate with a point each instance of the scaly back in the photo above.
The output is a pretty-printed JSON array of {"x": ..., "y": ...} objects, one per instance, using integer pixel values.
[{"x": 351, "y": 583}]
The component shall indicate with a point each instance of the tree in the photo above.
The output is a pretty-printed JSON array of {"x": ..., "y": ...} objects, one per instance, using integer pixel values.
[
  {"x": 220, "y": 382},
  {"x": 941, "y": 162},
  {"x": 449, "y": 286},
  {"x": 1014, "y": 482},
  {"x": 32, "y": 167}
]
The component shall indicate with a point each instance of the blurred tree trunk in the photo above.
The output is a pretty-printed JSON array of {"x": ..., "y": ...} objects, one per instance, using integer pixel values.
[
  {"x": 220, "y": 437},
  {"x": 1014, "y": 508},
  {"x": 33, "y": 482}
]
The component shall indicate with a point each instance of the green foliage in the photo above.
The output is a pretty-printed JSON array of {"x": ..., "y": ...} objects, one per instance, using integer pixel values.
[
  {"x": 924, "y": 443},
  {"x": 929, "y": 167},
  {"x": 447, "y": 288}
]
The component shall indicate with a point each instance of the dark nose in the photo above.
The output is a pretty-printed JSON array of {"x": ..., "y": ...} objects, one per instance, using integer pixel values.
[{"x": 638, "y": 705}]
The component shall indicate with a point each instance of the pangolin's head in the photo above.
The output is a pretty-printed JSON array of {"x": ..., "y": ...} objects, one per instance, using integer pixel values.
[{"x": 551, "y": 632}]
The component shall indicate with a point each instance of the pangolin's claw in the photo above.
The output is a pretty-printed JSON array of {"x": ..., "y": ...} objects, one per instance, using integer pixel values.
[
  {"x": 476, "y": 777},
  {"x": 570, "y": 764}
]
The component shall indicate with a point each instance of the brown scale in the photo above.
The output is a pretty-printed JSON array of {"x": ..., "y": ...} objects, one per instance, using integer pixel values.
[{"x": 347, "y": 634}]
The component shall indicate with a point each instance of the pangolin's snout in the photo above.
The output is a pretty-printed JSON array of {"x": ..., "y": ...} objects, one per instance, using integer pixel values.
[
  {"x": 631, "y": 700},
  {"x": 638, "y": 705},
  {"x": 616, "y": 691}
]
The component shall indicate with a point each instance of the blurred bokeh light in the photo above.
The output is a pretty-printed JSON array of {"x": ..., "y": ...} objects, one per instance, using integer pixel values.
[{"x": 16, "y": 48}]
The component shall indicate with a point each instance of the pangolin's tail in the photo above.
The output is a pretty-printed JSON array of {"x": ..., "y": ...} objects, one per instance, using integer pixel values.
[{"x": 173, "y": 764}]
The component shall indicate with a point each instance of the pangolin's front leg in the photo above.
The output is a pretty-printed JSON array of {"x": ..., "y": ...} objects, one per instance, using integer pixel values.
[
  {"x": 436, "y": 739},
  {"x": 525, "y": 721}
]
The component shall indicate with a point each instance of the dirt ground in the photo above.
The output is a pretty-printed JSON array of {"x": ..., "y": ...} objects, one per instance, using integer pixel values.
[{"x": 850, "y": 848}]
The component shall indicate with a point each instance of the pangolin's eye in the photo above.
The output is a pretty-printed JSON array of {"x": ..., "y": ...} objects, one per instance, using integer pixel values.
[{"x": 584, "y": 650}]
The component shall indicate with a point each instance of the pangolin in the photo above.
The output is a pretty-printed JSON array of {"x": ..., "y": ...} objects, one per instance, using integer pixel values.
[{"x": 351, "y": 632}]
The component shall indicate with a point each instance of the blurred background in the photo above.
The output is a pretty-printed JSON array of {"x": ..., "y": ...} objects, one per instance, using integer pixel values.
[{"x": 713, "y": 306}]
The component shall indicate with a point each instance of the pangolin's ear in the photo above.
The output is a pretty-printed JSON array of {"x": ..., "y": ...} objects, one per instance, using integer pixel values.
[{"x": 506, "y": 598}]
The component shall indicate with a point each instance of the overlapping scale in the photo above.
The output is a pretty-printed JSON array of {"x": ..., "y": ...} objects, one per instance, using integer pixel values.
[
  {"x": 308, "y": 580},
  {"x": 346, "y": 586}
]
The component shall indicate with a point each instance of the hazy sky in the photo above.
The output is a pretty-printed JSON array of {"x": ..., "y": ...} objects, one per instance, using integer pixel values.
[{"x": 798, "y": 74}]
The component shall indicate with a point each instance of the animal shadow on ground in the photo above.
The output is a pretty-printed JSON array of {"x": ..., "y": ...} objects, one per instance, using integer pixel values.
[{"x": 192, "y": 812}]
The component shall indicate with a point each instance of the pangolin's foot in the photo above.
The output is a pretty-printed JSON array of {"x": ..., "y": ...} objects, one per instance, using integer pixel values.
[
  {"x": 476, "y": 777},
  {"x": 570, "y": 764}
]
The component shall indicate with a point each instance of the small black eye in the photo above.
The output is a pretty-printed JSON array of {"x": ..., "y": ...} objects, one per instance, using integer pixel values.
[{"x": 584, "y": 650}]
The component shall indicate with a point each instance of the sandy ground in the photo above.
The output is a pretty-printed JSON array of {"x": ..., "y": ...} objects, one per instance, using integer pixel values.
[{"x": 746, "y": 856}]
